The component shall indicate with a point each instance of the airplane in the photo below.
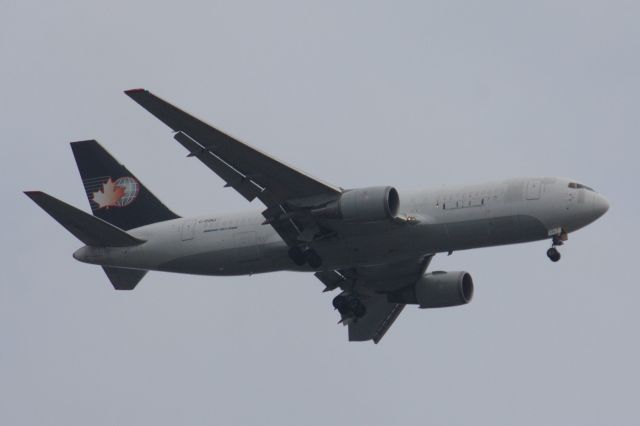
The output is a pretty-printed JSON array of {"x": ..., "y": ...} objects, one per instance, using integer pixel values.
[{"x": 372, "y": 244}]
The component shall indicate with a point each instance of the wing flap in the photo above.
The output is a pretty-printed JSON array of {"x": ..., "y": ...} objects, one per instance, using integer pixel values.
[
  {"x": 331, "y": 279},
  {"x": 386, "y": 324},
  {"x": 233, "y": 178},
  {"x": 376, "y": 322}
]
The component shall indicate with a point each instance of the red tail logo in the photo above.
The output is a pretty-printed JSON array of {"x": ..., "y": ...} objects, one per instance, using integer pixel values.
[{"x": 120, "y": 193}]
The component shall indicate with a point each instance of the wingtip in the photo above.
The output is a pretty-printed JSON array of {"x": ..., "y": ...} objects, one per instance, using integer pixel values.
[
  {"x": 32, "y": 194},
  {"x": 131, "y": 92},
  {"x": 72, "y": 143}
]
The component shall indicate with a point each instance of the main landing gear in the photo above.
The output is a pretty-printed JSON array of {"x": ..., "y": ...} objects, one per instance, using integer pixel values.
[
  {"x": 348, "y": 306},
  {"x": 553, "y": 254},
  {"x": 301, "y": 257}
]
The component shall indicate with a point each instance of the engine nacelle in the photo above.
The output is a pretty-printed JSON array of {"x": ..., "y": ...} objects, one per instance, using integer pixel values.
[
  {"x": 363, "y": 205},
  {"x": 437, "y": 290}
]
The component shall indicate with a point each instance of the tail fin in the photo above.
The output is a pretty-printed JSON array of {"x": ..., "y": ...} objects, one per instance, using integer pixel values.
[
  {"x": 115, "y": 194},
  {"x": 90, "y": 230}
]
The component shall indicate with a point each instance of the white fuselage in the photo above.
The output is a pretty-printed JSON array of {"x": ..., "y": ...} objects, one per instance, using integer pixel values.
[{"x": 441, "y": 220}]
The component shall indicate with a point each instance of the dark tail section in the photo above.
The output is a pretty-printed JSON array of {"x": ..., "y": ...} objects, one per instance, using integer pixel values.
[
  {"x": 90, "y": 230},
  {"x": 115, "y": 194}
]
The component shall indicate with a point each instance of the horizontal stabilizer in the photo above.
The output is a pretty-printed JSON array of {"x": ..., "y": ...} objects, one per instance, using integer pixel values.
[
  {"x": 89, "y": 229},
  {"x": 123, "y": 278}
]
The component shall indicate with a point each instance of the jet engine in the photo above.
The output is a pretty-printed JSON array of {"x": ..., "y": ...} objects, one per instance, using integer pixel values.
[
  {"x": 363, "y": 205},
  {"x": 437, "y": 290}
]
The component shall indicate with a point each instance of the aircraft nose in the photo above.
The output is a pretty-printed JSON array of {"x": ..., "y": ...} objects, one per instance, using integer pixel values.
[{"x": 600, "y": 205}]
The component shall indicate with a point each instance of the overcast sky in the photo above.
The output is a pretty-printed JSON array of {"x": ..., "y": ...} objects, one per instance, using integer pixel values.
[{"x": 409, "y": 94}]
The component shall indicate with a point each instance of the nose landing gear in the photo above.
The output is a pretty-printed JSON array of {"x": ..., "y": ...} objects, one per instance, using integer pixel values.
[
  {"x": 553, "y": 254},
  {"x": 557, "y": 240}
]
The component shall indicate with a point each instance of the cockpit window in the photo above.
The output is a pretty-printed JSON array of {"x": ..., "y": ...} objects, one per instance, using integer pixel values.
[{"x": 576, "y": 185}]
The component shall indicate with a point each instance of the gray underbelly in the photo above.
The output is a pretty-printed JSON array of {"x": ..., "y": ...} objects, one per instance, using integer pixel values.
[
  {"x": 494, "y": 231},
  {"x": 432, "y": 238},
  {"x": 232, "y": 261}
]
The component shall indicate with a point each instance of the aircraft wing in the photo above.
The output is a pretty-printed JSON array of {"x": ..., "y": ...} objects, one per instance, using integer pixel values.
[
  {"x": 370, "y": 284},
  {"x": 249, "y": 171},
  {"x": 379, "y": 318}
]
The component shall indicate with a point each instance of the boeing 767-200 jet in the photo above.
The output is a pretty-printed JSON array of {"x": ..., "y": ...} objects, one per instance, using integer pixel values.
[{"x": 374, "y": 244}]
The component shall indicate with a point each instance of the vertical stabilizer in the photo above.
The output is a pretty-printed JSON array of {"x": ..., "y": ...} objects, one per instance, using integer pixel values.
[{"x": 115, "y": 194}]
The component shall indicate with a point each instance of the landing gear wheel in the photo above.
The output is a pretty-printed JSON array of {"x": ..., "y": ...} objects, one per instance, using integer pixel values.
[
  {"x": 315, "y": 261},
  {"x": 297, "y": 256},
  {"x": 360, "y": 311},
  {"x": 341, "y": 303},
  {"x": 553, "y": 254}
]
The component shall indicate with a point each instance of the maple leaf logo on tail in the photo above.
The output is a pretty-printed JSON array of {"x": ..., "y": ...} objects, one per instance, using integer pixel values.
[{"x": 108, "y": 195}]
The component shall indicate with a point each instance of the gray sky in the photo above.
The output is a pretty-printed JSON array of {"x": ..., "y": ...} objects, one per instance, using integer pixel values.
[{"x": 409, "y": 94}]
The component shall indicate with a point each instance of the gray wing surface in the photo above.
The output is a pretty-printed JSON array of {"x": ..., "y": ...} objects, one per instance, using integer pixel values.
[
  {"x": 249, "y": 171},
  {"x": 233, "y": 160}
]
